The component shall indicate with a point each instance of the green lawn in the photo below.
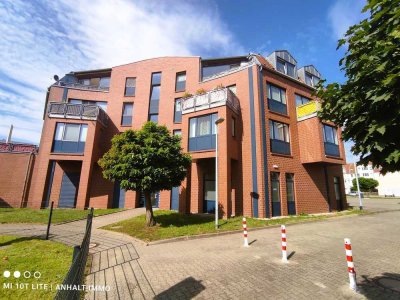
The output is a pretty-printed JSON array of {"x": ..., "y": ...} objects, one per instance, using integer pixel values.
[
  {"x": 22, "y": 254},
  {"x": 28, "y": 215},
  {"x": 172, "y": 224}
]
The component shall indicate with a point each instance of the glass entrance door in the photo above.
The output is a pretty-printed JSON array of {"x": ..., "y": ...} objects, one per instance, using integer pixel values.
[
  {"x": 275, "y": 194},
  {"x": 290, "y": 194}
]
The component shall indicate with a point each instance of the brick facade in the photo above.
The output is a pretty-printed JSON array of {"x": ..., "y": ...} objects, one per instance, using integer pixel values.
[{"x": 241, "y": 157}]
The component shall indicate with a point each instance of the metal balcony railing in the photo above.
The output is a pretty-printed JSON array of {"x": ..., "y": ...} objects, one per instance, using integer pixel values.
[
  {"x": 214, "y": 98},
  {"x": 80, "y": 86},
  {"x": 308, "y": 110},
  {"x": 77, "y": 111},
  {"x": 18, "y": 148}
]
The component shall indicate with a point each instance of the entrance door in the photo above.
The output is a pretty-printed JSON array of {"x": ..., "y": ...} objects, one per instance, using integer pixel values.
[
  {"x": 155, "y": 199},
  {"x": 175, "y": 198},
  {"x": 290, "y": 194},
  {"x": 276, "y": 194},
  {"x": 336, "y": 184},
  {"x": 209, "y": 192},
  {"x": 69, "y": 190},
  {"x": 119, "y": 196}
]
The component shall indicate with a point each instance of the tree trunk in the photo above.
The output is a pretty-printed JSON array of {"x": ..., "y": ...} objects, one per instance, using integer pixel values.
[{"x": 150, "y": 221}]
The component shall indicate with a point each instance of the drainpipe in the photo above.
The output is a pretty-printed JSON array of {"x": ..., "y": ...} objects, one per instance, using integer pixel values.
[
  {"x": 327, "y": 188},
  {"x": 28, "y": 171}
]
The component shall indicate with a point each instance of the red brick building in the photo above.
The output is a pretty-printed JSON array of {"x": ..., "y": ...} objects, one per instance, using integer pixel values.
[{"x": 275, "y": 156}]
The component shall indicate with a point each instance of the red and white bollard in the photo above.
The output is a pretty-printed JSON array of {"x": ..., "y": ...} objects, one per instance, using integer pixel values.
[
  {"x": 284, "y": 253},
  {"x": 246, "y": 241},
  {"x": 350, "y": 264}
]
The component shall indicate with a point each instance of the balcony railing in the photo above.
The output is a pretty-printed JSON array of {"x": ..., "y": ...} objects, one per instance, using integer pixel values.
[
  {"x": 308, "y": 110},
  {"x": 18, "y": 148},
  {"x": 77, "y": 111},
  {"x": 214, "y": 98},
  {"x": 332, "y": 149},
  {"x": 80, "y": 86}
]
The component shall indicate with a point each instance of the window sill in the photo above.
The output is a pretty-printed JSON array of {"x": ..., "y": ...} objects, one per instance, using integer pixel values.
[
  {"x": 67, "y": 153},
  {"x": 178, "y": 122},
  {"x": 201, "y": 151},
  {"x": 282, "y": 155},
  {"x": 333, "y": 157},
  {"x": 279, "y": 114},
  {"x": 180, "y": 91},
  {"x": 130, "y": 125}
]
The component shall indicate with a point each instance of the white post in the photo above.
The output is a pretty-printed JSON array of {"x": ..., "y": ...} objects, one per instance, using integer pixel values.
[
  {"x": 246, "y": 241},
  {"x": 283, "y": 237},
  {"x": 358, "y": 187},
  {"x": 10, "y": 134},
  {"x": 350, "y": 265}
]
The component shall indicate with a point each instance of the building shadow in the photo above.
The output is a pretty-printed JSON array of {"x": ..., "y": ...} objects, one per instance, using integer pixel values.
[
  {"x": 4, "y": 203},
  {"x": 186, "y": 289},
  {"x": 179, "y": 219},
  {"x": 385, "y": 286},
  {"x": 20, "y": 239}
]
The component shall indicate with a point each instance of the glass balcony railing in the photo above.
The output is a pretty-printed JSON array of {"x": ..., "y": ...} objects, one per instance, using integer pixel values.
[{"x": 77, "y": 111}]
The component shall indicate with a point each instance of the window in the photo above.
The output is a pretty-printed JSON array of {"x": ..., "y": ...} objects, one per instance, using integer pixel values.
[
  {"x": 285, "y": 67},
  {"x": 331, "y": 141},
  {"x": 177, "y": 132},
  {"x": 178, "y": 111},
  {"x": 70, "y": 138},
  {"x": 155, "y": 93},
  {"x": 84, "y": 81},
  {"x": 233, "y": 127},
  {"x": 104, "y": 82},
  {"x": 130, "y": 86},
  {"x": 311, "y": 79},
  {"x": 277, "y": 99},
  {"x": 300, "y": 100},
  {"x": 127, "y": 112},
  {"x": 279, "y": 137},
  {"x": 153, "y": 118},
  {"x": 156, "y": 78},
  {"x": 275, "y": 194},
  {"x": 180, "y": 82},
  {"x": 290, "y": 194},
  {"x": 202, "y": 132},
  {"x": 232, "y": 88},
  {"x": 330, "y": 134}
]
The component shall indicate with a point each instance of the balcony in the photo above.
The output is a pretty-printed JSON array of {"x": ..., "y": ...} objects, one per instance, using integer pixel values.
[
  {"x": 80, "y": 86},
  {"x": 77, "y": 112},
  {"x": 308, "y": 110},
  {"x": 211, "y": 99}
]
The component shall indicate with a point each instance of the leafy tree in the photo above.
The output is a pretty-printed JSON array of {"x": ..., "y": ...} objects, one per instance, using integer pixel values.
[
  {"x": 367, "y": 105},
  {"x": 146, "y": 160},
  {"x": 366, "y": 184}
]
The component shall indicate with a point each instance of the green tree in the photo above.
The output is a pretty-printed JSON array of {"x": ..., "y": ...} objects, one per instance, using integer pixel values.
[
  {"x": 146, "y": 160},
  {"x": 367, "y": 105},
  {"x": 366, "y": 184}
]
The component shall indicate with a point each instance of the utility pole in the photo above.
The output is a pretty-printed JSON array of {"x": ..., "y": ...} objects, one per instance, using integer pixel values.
[{"x": 358, "y": 187}]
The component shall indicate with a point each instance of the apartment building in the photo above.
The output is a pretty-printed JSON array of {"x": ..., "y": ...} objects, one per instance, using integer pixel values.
[{"x": 275, "y": 156}]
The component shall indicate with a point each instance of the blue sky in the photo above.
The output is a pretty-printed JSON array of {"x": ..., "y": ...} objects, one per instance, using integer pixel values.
[{"x": 43, "y": 38}]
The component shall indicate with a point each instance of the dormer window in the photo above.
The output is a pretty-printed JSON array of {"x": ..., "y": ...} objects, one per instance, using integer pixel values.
[
  {"x": 311, "y": 79},
  {"x": 285, "y": 67}
]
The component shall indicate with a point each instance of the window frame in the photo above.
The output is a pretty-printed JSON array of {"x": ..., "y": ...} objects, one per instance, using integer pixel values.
[
  {"x": 285, "y": 67},
  {"x": 297, "y": 96},
  {"x": 272, "y": 122},
  {"x": 274, "y": 105},
  {"x": 126, "y": 87},
  {"x": 124, "y": 104},
  {"x": 177, "y": 113},
  {"x": 83, "y": 131},
  {"x": 334, "y": 131},
  {"x": 177, "y": 88}
]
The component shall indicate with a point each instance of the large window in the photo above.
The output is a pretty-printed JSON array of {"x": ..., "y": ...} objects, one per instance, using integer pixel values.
[
  {"x": 127, "y": 112},
  {"x": 153, "y": 118},
  {"x": 155, "y": 91},
  {"x": 178, "y": 111},
  {"x": 102, "y": 104},
  {"x": 180, "y": 82},
  {"x": 331, "y": 141},
  {"x": 130, "y": 86},
  {"x": 285, "y": 67},
  {"x": 279, "y": 137},
  {"x": 202, "y": 132},
  {"x": 300, "y": 100},
  {"x": 277, "y": 99},
  {"x": 70, "y": 138}
]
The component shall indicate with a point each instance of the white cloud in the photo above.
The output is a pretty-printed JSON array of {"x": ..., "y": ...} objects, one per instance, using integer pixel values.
[
  {"x": 40, "y": 39},
  {"x": 343, "y": 14}
]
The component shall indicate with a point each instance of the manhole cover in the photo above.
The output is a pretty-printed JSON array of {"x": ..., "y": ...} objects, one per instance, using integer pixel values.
[
  {"x": 390, "y": 283},
  {"x": 92, "y": 245}
]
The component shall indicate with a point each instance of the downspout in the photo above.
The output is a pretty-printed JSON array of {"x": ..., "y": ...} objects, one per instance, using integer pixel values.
[{"x": 28, "y": 171}]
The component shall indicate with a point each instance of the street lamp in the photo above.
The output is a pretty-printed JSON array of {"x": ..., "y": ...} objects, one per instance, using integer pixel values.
[
  {"x": 218, "y": 121},
  {"x": 358, "y": 186}
]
